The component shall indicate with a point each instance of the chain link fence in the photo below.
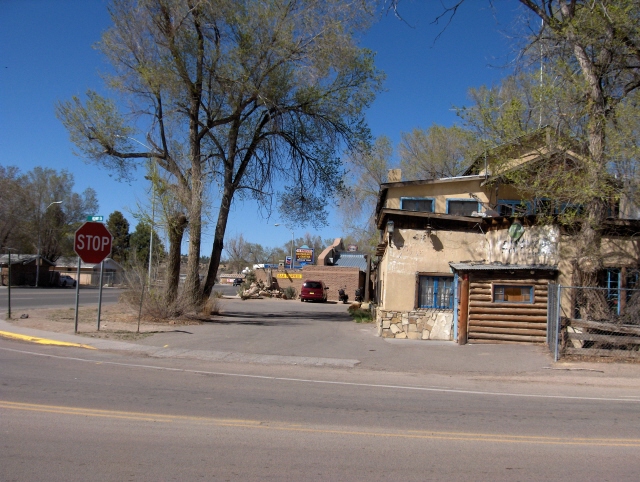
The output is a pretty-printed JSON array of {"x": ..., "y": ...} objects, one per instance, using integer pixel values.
[{"x": 593, "y": 322}]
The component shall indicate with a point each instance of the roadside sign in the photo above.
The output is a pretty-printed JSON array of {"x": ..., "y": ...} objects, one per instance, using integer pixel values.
[
  {"x": 95, "y": 218},
  {"x": 92, "y": 242}
]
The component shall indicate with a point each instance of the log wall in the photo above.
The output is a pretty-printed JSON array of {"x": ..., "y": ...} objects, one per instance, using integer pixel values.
[{"x": 491, "y": 322}]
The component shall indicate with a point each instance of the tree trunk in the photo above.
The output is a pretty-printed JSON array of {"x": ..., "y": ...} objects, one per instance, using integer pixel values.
[
  {"x": 177, "y": 226},
  {"x": 218, "y": 245}
]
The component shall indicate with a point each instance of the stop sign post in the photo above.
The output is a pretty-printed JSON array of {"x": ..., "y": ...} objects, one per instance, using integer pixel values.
[{"x": 92, "y": 244}]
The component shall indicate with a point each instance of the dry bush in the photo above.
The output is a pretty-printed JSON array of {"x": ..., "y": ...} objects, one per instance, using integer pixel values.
[
  {"x": 154, "y": 305},
  {"x": 211, "y": 306}
]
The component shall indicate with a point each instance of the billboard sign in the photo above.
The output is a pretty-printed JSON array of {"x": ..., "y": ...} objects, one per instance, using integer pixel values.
[{"x": 304, "y": 256}]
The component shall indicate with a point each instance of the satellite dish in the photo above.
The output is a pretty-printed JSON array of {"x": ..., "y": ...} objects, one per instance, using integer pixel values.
[{"x": 516, "y": 230}]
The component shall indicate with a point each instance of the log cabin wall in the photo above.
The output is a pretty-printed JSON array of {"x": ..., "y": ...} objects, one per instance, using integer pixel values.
[{"x": 503, "y": 322}]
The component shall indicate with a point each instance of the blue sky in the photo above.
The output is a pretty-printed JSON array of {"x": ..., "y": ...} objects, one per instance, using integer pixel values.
[{"x": 47, "y": 56}]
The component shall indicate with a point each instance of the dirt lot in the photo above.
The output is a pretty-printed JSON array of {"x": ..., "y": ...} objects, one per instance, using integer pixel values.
[{"x": 118, "y": 322}]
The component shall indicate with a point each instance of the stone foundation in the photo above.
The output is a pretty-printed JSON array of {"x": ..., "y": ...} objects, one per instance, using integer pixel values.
[{"x": 415, "y": 325}]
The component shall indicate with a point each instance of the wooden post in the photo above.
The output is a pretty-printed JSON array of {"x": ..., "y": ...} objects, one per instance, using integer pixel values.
[{"x": 464, "y": 309}]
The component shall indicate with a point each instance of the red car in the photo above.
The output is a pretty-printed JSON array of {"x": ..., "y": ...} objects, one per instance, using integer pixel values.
[{"x": 313, "y": 290}]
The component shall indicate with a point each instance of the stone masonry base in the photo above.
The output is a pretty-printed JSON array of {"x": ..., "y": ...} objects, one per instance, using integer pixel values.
[{"x": 415, "y": 325}]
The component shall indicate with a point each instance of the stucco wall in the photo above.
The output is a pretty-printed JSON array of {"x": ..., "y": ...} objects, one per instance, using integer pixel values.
[
  {"x": 440, "y": 191},
  {"x": 538, "y": 245},
  {"x": 413, "y": 252}
]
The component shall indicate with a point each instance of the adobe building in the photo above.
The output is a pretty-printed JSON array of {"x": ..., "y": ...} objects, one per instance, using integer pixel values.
[{"x": 469, "y": 258}]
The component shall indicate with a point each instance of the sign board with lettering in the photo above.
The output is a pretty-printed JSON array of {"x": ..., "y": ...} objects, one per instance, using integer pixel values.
[
  {"x": 304, "y": 256},
  {"x": 289, "y": 275},
  {"x": 92, "y": 242}
]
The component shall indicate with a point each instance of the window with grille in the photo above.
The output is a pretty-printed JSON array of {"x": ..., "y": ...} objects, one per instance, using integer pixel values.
[
  {"x": 435, "y": 292},
  {"x": 415, "y": 204},
  {"x": 462, "y": 207},
  {"x": 512, "y": 294}
]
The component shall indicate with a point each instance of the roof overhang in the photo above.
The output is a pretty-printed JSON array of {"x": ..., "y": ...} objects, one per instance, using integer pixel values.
[
  {"x": 472, "y": 266},
  {"x": 386, "y": 212}
]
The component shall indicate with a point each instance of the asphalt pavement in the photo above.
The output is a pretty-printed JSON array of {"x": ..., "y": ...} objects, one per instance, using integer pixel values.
[{"x": 279, "y": 332}]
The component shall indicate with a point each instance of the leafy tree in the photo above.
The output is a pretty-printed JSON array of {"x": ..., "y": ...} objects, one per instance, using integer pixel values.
[
  {"x": 40, "y": 209},
  {"x": 118, "y": 226},
  {"x": 366, "y": 169},
  {"x": 240, "y": 93},
  {"x": 436, "y": 152},
  {"x": 13, "y": 207},
  {"x": 139, "y": 245}
]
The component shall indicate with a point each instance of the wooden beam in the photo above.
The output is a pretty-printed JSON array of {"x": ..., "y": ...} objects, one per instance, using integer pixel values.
[
  {"x": 604, "y": 326},
  {"x": 600, "y": 352},
  {"x": 504, "y": 321}
]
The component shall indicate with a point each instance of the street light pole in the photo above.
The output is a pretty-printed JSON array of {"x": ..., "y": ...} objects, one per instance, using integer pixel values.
[
  {"x": 39, "y": 222},
  {"x": 292, "y": 240}
]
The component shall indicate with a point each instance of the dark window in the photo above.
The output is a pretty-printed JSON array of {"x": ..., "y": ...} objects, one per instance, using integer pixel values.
[
  {"x": 435, "y": 292},
  {"x": 512, "y": 294},
  {"x": 416, "y": 204},
  {"x": 510, "y": 207},
  {"x": 312, "y": 284},
  {"x": 614, "y": 283},
  {"x": 462, "y": 208}
]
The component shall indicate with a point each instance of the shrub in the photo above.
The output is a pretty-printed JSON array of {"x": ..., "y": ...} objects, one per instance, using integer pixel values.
[
  {"x": 290, "y": 293},
  {"x": 211, "y": 306},
  {"x": 360, "y": 315}
]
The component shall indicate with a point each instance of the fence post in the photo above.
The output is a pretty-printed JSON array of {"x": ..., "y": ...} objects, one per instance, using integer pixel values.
[{"x": 558, "y": 324}]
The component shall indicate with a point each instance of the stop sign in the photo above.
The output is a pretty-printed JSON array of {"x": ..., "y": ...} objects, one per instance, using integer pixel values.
[{"x": 92, "y": 242}]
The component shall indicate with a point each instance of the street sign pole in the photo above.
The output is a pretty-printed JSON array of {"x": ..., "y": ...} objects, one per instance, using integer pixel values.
[
  {"x": 92, "y": 243},
  {"x": 100, "y": 293},
  {"x": 77, "y": 292}
]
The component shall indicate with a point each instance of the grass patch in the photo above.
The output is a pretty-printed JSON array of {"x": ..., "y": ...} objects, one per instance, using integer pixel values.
[{"x": 359, "y": 315}]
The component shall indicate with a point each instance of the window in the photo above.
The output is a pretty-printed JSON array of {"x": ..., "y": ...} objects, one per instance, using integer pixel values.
[
  {"x": 435, "y": 292},
  {"x": 462, "y": 207},
  {"x": 416, "y": 204},
  {"x": 613, "y": 280},
  {"x": 512, "y": 294},
  {"x": 511, "y": 207}
]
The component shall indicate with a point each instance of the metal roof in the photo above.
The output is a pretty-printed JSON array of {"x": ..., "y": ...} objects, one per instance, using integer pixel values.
[
  {"x": 350, "y": 260},
  {"x": 22, "y": 259},
  {"x": 471, "y": 266}
]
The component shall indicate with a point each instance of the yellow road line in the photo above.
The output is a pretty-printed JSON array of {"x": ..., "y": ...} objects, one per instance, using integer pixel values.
[
  {"x": 297, "y": 427},
  {"x": 42, "y": 341}
]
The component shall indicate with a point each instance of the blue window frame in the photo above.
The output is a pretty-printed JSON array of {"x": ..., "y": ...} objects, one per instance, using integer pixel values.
[
  {"x": 435, "y": 292},
  {"x": 462, "y": 207},
  {"x": 513, "y": 293},
  {"x": 612, "y": 280},
  {"x": 417, "y": 204}
]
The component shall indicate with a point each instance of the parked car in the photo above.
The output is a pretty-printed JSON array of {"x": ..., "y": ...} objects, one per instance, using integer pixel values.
[
  {"x": 313, "y": 291},
  {"x": 66, "y": 280},
  {"x": 238, "y": 281}
]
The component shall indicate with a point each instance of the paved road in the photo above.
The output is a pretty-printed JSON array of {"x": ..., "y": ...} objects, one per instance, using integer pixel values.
[
  {"x": 70, "y": 414},
  {"x": 24, "y": 298}
]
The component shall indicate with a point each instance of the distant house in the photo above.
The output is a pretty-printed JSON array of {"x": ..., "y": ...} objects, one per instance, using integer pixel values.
[
  {"x": 469, "y": 257},
  {"x": 24, "y": 269},
  {"x": 90, "y": 273}
]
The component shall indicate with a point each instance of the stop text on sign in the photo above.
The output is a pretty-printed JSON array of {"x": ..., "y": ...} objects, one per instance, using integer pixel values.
[{"x": 93, "y": 243}]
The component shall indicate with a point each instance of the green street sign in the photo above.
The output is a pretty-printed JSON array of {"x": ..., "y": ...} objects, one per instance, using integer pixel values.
[{"x": 95, "y": 218}]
